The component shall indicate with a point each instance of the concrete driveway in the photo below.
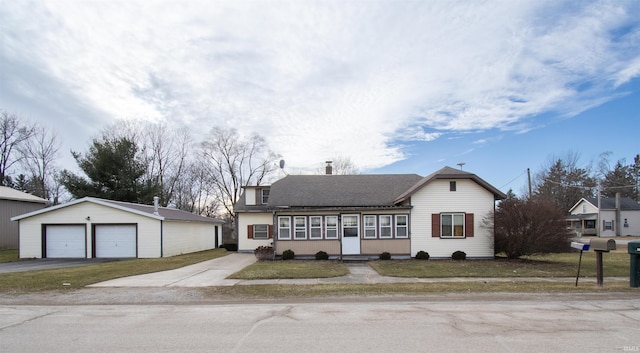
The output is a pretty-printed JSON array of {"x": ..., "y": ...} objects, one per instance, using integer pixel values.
[{"x": 47, "y": 264}]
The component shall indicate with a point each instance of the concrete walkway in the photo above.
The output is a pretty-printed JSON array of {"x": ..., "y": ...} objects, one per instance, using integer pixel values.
[{"x": 215, "y": 272}]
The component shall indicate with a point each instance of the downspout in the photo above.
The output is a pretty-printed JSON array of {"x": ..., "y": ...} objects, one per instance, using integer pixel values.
[
  {"x": 618, "y": 225},
  {"x": 161, "y": 238}
]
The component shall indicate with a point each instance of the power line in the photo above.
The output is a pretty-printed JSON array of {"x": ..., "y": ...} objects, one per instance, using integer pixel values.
[{"x": 514, "y": 179}]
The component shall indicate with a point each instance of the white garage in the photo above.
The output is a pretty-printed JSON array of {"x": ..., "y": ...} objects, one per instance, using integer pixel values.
[
  {"x": 92, "y": 227},
  {"x": 115, "y": 240},
  {"x": 65, "y": 241}
]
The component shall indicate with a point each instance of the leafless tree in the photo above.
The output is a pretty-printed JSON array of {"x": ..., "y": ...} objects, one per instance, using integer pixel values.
[
  {"x": 13, "y": 133},
  {"x": 233, "y": 162},
  {"x": 342, "y": 165},
  {"x": 38, "y": 155}
]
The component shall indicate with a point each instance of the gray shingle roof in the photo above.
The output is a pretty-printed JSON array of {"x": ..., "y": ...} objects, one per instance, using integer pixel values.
[
  {"x": 340, "y": 190},
  {"x": 609, "y": 203},
  {"x": 168, "y": 213}
]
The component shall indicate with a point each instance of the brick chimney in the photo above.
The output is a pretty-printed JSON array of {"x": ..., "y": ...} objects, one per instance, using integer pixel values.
[{"x": 329, "y": 168}]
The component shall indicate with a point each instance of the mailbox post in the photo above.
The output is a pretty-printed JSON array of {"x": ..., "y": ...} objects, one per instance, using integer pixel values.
[
  {"x": 581, "y": 247},
  {"x": 599, "y": 246}
]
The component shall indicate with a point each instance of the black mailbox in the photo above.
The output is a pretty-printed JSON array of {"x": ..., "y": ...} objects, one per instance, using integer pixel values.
[
  {"x": 634, "y": 268},
  {"x": 602, "y": 244}
]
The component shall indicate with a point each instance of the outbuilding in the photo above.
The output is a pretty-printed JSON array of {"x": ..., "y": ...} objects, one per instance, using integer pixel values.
[
  {"x": 98, "y": 228},
  {"x": 13, "y": 203}
]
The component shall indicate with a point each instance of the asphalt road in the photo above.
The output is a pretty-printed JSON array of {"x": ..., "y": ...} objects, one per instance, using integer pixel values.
[
  {"x": 403, "y": 326},
  {"x": 47, "y": 264}
]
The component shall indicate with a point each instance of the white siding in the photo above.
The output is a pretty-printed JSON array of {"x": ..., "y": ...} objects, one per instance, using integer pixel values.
[
  {"x": 589, "y": 208},
  {"x": 245, "y": 219},
  {"x": 633, "y": 221},
  {"x": 249, "y": 196},
  {"x": 31, "y": 228},
  {"x": 186, "y": 237},
  {"x": 435, "y": 197},
  {"x": 609, "y": 216}
]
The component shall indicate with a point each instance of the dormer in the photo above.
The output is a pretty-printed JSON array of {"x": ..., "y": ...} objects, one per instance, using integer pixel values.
[{"x": 257, "y": 195}]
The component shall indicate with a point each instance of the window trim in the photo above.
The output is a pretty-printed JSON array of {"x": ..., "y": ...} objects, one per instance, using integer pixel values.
[
  {"x": 390, "y": 226},
  {"x": 302, "y": 228},
  {"x": 312, "y": 227},
  {"x": 406, "y": 226},
  {"x": 453, "y": 225},
  {"x": 266, "y": 232},
  {"x": 328, "y": 228},
  {"x": 262, "y": 199},
  {"x": 374, "y": 227},
  {"x": 280, "y": 228}
]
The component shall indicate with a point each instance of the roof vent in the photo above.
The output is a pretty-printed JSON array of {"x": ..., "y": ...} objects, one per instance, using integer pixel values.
[{"x": 329, "y": 168}]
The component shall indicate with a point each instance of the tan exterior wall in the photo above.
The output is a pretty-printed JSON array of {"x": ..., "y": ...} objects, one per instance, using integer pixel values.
[
  {"x": 9, "y": 230},
  {"x": 31, "y": 228},
  {"x": 245, "y": 219},
  {"x": 435, "y": 197},
  {"x": 308, "y": 247},
  {"x": 186, "y": 237},
  {"x": 392, "y": 246}
]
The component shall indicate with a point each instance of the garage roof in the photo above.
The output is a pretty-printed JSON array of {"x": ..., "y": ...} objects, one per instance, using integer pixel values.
[
  {"x": 7, "y": 193},
  {"x": 164, "y": 213}
]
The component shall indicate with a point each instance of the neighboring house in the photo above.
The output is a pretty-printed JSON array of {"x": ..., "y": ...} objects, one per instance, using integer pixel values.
[
  {"x": 92, "y": 227},
  {"x": 370, "y": 214},
  {"x": 13, "y": 203},
  {"x": 618, "y": 216}
]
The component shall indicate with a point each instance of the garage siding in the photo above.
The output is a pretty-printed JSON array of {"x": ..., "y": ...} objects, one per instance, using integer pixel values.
[{"x": 185, "y": 237}]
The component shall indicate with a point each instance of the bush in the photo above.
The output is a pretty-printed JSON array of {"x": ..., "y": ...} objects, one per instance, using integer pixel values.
[
  {"x": 422, "y": 255},
  {"x": 385, "y": 256},
  {"x": 288, "y": 254},
  {"x": 322, "y": 255},
  {"x": 263, "y": 253},
  {"x": 459, "y": 255},
  {"x": 230, "y": 246}
]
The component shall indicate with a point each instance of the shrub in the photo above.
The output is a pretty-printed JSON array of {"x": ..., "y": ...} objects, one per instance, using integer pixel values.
[
  {"x": 322, "y": 255},
  {"x": 288, "y": 254},
  {"x": 230, "y": 246},
  {"x": 422, "y": 255},
  {"x": 263, "y": 253},
  {"x": 459, "y": 255},
  {"x": 385, "y": 256}
]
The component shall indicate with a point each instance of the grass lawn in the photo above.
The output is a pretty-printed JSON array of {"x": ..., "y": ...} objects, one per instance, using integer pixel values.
[
  {"x": 78, "y": 277},
  {"x": 291, "y": 269},
  {"x": 615, "y": 264},
  {"x": 8, "y": 255}
]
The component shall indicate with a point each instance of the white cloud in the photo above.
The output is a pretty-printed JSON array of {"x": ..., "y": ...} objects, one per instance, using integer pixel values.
[{"x": 326, "y": 78}]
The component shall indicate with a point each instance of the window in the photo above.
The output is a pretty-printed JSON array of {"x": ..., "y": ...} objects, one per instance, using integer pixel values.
[
  {"x": 452, "y": 186},
  {"x": 331, "y": 227},
  {"x": 265, "y": 196},
  {"x": 301, "y": 227},
  {"x": 260, "y": 231},
  {"x": 452, "y": 225},
  {"x": 385, "y": 226},
  {"x": 608, "y": 225},
  {"x": 350, "y": 226},
  {"x": 402, "y": 226},
  {"x": 626, "y": 223},
  {"x": 584, "y": 208},
  {"x": 284, "y": 228},
  {"x": 590, "y": 224},
  {"x": 369, "y": 226},
  {"x": 315, "y": 227}
]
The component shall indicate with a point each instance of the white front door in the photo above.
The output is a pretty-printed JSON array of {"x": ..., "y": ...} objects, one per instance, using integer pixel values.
[
  {"x": 65, "y": 241},
  {"x": 351, "y": 234},
  {"x": 115, "y": 241}
]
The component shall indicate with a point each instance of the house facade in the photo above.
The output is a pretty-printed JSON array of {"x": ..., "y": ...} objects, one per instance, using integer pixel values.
[
  {"x": 617, "y": 216},
  {"x": 98, "y": 228},
  {"x": 366, "y": 215}
]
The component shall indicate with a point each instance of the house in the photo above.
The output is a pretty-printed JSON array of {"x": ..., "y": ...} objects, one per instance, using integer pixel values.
[
  {"x": 618, "y": 216},
  {"x": 366, "y": 215},
  {"x": 13, "y": 203},
  {"x": 92, "y": 227}
]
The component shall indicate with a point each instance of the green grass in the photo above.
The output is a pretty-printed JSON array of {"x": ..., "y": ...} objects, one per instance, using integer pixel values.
[
  {"x": 615, "y": 264},
  {"x": 8, "y": 255},
  {"x": 291, "y": 269},
  {"x": 78, "y": 277}
]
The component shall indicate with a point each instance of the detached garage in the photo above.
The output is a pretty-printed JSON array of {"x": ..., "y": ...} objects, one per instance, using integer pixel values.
[{"x": 92, "y": 227}]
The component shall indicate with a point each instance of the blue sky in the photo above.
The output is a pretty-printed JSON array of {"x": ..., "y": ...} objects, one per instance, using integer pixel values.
[{"x": 396, "y": 86}]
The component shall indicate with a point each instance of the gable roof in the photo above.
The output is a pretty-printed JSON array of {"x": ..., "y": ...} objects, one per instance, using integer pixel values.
[
  {"x": 164, "y": 213},
  {"x": 7, "y": 193},
  {"x": 609, "y": 203},
  {"x": 450, "y": 173},
  {"x": 373, "y": 190}
]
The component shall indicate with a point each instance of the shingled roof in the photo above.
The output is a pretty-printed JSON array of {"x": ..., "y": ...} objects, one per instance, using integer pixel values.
[{"x": 372, "y": 190}]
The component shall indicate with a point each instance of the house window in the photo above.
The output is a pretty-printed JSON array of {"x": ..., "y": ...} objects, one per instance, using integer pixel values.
[
  {"x": 452, "y": 186},
  {"x": 452, "y": 225},
  {"x": 626, "y": 223},
  {"x": 331, "y": 227},
  {"x": 260, "y": 231},
  {"x": 369, "y": 226},
  {"x": 300, "y": 227},
  {"x": 284, "y": 227},
  {"x": 402, "y": 226},
  {"x": 265, "y": 196},
  {"x": 385, "y": 226},
  {"x": 315, "y": 227},
  {"x": 584, "y": 208},
  {"x": 350, "y": 226},
  {"x": 608, "y": 225},
  {"x": 590, "y": 224}
]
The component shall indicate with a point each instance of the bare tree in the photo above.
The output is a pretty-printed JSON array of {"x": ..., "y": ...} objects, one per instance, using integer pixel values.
[
  {"x": 233, "y": 162},
  {"x": 342, "y": 165},
  {"x": 38, "y": 155},
  {"x": 192, "y": 191},
  {"x": 13, "y": 133}
]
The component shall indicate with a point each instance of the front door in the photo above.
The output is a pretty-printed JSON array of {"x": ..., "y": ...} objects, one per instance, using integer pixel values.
[{"x": 350, "y": 234}]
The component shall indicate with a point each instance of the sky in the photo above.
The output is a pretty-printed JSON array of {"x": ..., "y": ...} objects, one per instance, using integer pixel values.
[{"x": 395, "y": 86}]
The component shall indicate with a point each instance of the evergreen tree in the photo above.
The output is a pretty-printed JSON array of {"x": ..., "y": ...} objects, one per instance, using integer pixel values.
[{"x": 564, "y": 184}]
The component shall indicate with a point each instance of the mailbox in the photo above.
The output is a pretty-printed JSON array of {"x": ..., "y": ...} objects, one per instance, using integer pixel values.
[
  {"x": 603, "y": 244},
  {"x": 634, "y": 264}
]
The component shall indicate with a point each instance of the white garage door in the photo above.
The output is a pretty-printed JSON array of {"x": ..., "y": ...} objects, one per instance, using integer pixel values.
[
  {"x": 65, "y": 241},
  {"x": 116, "y": 240}
]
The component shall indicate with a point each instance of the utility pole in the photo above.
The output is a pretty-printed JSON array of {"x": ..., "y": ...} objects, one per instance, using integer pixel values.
[
  {"x": 598, "y": 222},
  {"x": 529, "y": 178}
]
